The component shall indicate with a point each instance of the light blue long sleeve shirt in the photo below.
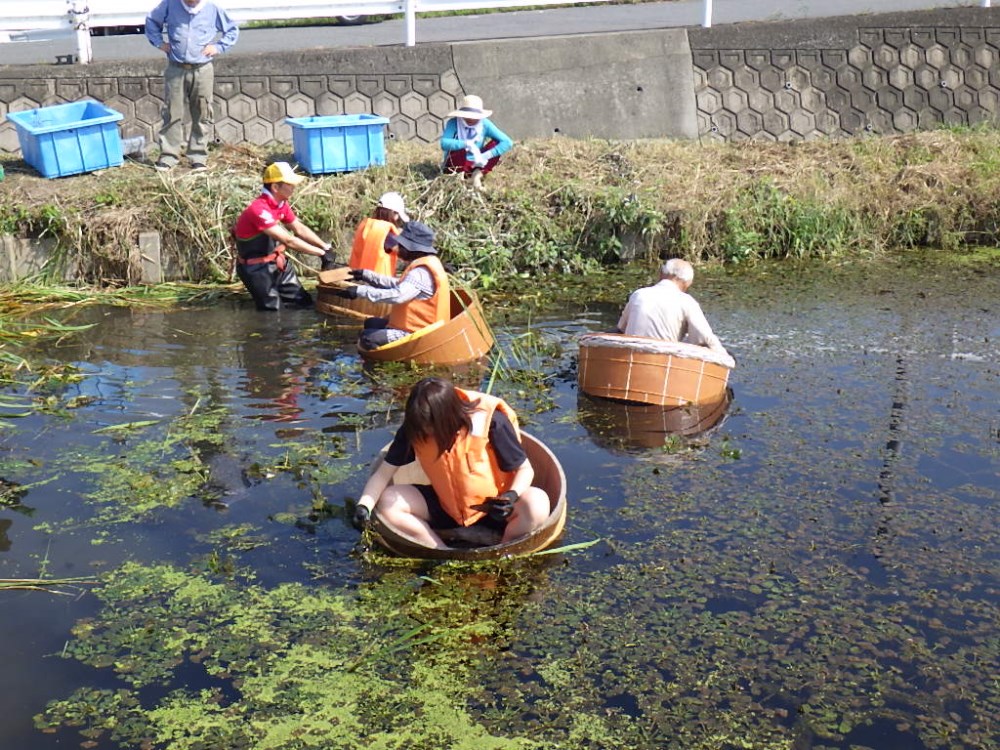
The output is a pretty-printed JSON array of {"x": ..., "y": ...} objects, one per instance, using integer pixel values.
[
  {"x": 450, "y": 141},
  {"x": 189, "y": 34},
  {"x": 418, "y": 284}
]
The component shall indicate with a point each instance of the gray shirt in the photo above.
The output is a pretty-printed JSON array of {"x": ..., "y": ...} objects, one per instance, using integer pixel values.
[
  {"x": 417, "y": 284},
  {"x": 663, "y": 311}
]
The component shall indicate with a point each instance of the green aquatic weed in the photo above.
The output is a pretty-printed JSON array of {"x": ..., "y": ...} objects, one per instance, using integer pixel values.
[{"x": 290, "y": 657}]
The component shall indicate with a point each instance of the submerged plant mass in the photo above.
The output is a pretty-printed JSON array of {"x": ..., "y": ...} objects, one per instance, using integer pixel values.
[{"x": 289, "y": 667}]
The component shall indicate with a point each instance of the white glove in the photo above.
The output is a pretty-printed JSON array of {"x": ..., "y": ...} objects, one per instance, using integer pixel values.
[{"x": 480, "y": 160}]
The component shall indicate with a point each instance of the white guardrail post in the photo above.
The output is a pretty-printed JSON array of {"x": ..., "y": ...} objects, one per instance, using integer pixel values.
[
  {"x": 411, "y": 22},
  {"x": 706, "y": 20},
  {"x": 79, "y": 18}
]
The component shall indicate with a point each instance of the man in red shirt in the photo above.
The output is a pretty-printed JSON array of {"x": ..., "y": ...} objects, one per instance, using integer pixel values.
[{"x": 265, "y": 230}]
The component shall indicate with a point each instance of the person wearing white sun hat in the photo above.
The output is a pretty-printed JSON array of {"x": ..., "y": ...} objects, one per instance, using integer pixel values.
[{"x": 472, "y": 144}]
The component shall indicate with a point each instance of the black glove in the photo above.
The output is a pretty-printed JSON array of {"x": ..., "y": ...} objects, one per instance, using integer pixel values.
[
  {"x": 328, "y": 261},
  {"x": 357, "y": 274},
  {"x": 499, "y": 508},
  {"x": 350, "y": 292},
  {"x": 449, "y": 268},
  {"x": 361, "y": 517}
]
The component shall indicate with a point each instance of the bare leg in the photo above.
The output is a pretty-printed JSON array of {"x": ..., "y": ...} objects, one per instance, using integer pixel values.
[
  {"x": 404, "y": 508},
  {"x": 530, "y": 512}
]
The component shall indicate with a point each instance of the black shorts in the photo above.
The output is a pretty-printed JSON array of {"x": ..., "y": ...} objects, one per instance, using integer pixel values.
[{"x": 439, "y": 518}]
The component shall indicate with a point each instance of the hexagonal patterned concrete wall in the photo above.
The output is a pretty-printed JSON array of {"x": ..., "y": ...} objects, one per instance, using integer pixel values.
[
  {"x": 781, "y": 81},
  {"x": 252, "y": 108},
  {"x": 892, "y": 80}
]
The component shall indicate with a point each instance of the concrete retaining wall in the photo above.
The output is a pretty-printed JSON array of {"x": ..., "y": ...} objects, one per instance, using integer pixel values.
[
  {"x": 23, "y": 258},
  {"x": 777, "y": 81},
  {"x": 867, "y": 74},
  {"x": 602, "y": 85}
]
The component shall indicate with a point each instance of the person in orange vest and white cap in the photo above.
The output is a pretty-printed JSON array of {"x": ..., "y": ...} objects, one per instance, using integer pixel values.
[
  {"x": 419, "y": 298},
  {"x": 472, "y": 144},
  {"x": 264, "y": 231},
  {"x": 374, "y": 246},
  {"x": 469, "y": 446}
]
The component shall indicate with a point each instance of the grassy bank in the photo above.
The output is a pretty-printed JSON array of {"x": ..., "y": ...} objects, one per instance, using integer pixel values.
[{"x": 554, "y": 205}]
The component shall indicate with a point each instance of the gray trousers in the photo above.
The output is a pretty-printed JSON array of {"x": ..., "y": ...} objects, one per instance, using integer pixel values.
[{"x": 188, "y": 91}]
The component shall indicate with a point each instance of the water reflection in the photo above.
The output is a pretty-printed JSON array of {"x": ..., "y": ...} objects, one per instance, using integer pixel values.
[
  {"x": 274, "y": 376},
  {"x": 617, "y": 425}
]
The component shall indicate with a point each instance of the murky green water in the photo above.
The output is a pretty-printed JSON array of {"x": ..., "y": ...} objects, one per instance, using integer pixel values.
[{"x": 820, "y": 570}]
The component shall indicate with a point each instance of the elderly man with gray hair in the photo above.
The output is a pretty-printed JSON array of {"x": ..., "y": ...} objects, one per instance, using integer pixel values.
[{"x": 666, "y": 311}]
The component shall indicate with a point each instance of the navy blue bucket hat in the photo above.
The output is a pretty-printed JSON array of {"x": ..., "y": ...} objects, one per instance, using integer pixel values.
[{"x": 416, "y": 237}]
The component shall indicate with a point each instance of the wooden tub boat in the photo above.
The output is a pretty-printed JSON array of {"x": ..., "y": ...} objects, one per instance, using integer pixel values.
[
  {"x": 651, "y": 371},
  {"x": 328, "y": 303},
  {"x": 617, "y": 424},
  {"x": 549, "y": 476},
  {"x": 466, "y": 337}
]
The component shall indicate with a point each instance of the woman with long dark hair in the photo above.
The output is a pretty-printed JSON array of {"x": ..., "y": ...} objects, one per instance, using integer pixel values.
[{"x": 468, "y": 445}]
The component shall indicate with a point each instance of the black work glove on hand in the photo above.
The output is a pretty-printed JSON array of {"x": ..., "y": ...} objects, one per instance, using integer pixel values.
[
  {"x": 499, "y": 508},
  {"x": 328, "y": 261},
  {"x": 358, "y": 275},
  {"x": 350, "y": 292},
  {"x": 361, "y": 517}
]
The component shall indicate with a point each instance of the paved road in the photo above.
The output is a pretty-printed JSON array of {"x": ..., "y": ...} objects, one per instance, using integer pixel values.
[{"x": 551, "y": 22}]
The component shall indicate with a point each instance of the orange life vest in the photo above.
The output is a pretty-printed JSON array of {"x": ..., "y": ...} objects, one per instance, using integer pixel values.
[
  {"x": 468, "y": 473},
  {"x": 368, "y": 251},
  {"x": 419, "y": 313}
]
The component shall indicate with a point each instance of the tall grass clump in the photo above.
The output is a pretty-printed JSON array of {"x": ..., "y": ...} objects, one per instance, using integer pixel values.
[
  {"x": 768, "y": 223},
  {"x": 554, "y": 205}
]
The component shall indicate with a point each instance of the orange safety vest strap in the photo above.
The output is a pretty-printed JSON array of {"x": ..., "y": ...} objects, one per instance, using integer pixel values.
[
  {"x": 277, "y": 257},
  {"x": 468, "y": 473},
  {"x": 419, "y": 313},
  {"x": 368, "y": 251}
]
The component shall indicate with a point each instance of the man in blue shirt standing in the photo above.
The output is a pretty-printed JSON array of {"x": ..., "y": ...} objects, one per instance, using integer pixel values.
[{"x": 191, "y": 33}]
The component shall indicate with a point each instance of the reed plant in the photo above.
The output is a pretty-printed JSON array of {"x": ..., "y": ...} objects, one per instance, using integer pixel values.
[{"x": 554, "y": 205}]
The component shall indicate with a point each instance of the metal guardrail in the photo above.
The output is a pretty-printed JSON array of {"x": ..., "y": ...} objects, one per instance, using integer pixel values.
[
  {"x": 25, "y": 15},
  {"x": 77, "y": 17}
]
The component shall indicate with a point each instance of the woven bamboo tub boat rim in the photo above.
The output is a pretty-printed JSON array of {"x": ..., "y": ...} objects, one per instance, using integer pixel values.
[
  {"x": 657, "y": 346},
  {"x": 339, "y": 278},
  {"x": 439, "y": 344},
  {"x": 400, "y": 544},
  {"x": 645, "y": 370}
]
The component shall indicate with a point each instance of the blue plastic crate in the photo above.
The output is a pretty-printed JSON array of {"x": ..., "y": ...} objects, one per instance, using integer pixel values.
[
  {"x": 70, "y": 138},
  {"x": 338, "y": 143}
]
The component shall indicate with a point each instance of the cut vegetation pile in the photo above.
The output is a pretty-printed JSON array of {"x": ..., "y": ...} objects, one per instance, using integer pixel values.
[{"x": 553, "y": 205}]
